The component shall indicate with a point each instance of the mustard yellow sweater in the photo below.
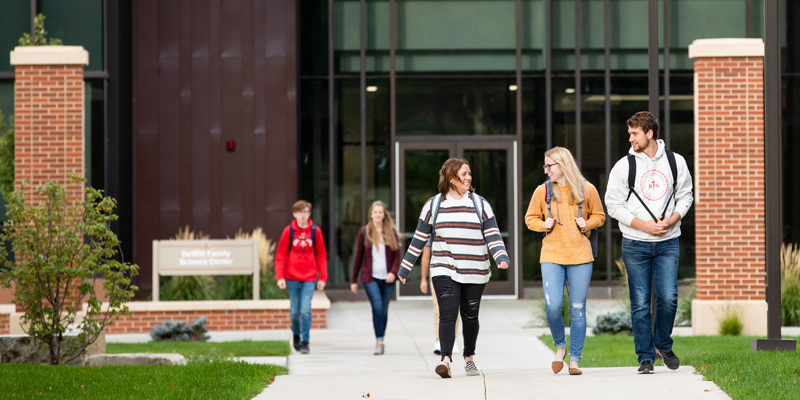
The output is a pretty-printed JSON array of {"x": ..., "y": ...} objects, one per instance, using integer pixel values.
[{"x": 565, "y": 244}]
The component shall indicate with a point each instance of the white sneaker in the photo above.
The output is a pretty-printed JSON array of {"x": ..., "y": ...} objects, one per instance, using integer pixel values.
[{"x": 437, "y": 348}]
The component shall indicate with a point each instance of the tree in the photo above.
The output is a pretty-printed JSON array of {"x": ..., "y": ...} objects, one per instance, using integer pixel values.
[
  {"x": 40, "y": 39},
  {"x": 6, "y": 154},
  {"x": 61, "y": 248}
]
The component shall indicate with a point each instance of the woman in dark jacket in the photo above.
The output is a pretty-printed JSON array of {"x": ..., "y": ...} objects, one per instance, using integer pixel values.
[{"x": 378, "y": 260}]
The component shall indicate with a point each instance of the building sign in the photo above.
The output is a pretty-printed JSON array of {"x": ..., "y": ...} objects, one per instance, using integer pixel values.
[{"x": 205, "y": 257}]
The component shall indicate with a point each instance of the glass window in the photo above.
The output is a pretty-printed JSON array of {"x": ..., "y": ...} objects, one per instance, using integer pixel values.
[
  {"x": 313, "y": 37},
  {"x": 15, "y": 19},
  {"x": 94, "y": 132},
  {"x": 460, "y": 106},
  {"x": 76, "y": 23}
]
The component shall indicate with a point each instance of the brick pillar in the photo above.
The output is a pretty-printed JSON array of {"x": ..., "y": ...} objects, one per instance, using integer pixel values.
[
  {"x": 729, "y": 189},
  {"x": 49, "y": 116}
]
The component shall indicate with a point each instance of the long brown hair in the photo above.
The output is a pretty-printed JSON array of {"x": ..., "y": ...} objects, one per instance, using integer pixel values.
[
  {"x": 450, "y": 171},
  {"x": 390, "y": 234}
]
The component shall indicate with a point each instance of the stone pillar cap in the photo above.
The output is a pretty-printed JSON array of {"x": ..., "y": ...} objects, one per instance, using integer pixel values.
[
  {"x": 49, "y": 55},
  {"x": 726, "y": 48}
]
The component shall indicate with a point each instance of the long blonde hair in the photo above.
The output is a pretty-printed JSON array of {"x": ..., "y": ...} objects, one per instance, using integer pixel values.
[
  {"x": 389, "y": 231},
  {"x": 575, "y": 179}
]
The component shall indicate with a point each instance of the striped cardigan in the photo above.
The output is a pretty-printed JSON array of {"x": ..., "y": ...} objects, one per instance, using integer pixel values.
[{"x": 459, "y": 249}]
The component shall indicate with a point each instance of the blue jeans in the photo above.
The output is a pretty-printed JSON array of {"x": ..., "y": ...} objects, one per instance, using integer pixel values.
[
  {"x": 578, "y": 276},
  {"x": 379, "y": 293},
  {"x": 652, "y": 268},
  {"x": 300, "y": 294}
]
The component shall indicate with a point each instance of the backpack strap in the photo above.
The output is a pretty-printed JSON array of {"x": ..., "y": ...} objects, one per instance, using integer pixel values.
[
  {"x": 673, "y": 166},
  {"x": 437, "y": 200},
  {"x": 291, "y": 236},
  {"x": 548, "y": 196},
  {"x": 477, "y": 201},
  {"x": 631, "y": 175}
]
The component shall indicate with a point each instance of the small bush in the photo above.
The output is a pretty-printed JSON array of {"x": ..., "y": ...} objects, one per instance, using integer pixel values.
[
  {"x": 790, "y": 285},
  {"x": 187, "y": 288},
  {"x": 684, "y": 314},
  {"x": 613, "y": 324},
  {"x": 181, "y": 331},
  {"x": 730, "y": 321}
]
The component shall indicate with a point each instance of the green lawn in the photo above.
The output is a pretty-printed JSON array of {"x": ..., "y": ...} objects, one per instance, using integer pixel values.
[
  {"x": 727, "y": 361},
  {"x": 221, "y": 380},
  {"x": 240, "y": 348}
]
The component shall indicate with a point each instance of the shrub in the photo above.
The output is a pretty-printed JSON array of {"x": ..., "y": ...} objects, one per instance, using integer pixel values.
[
  {"x": 187, "y": 288},
  {"x": 180, "y": 331},
  {"x": 730, "y": 321},
  {"x": 790, "y": 285},
  {"x": 684, "y": 314},
  {"x": 41, "y": 35},
  {"x": 613, "y": 323},
  {"x": 6, "y": 154},
  {"x": 60, "y": 250}
]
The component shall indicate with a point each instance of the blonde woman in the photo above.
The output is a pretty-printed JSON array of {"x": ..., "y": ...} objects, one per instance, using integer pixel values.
[
  {"x": 574, "y": 211},
  {"x": 378, "y": 260}
]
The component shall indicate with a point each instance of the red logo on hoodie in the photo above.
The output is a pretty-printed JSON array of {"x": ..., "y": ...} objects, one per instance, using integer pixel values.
[{"x": 654, "y": 185}]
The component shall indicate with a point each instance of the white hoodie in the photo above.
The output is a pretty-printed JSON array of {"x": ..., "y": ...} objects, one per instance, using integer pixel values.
[{"x": 654, "y": 191}]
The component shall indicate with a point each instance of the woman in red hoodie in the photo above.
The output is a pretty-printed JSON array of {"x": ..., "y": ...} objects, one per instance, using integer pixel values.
[{"x": 378, "y": 260}]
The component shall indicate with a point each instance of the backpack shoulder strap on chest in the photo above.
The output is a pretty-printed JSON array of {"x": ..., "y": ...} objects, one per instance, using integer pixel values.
[
  {"x": 477, "y": 201},
  {"x": 291, "y": 236},
  {"x": 673, "y": 166},
  {"x": 548, "y": 196},
  {"x": 631, "y": 175}
]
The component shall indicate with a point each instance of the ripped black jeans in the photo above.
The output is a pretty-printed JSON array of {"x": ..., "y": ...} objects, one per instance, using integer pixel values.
[{"x": 451, "y": 297}]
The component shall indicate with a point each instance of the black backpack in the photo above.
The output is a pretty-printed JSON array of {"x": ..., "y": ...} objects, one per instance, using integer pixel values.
[
  {"x": 673, "y": 166},
  {"x": 548, "y": 197},
  {"x": 313, "y": 237}
]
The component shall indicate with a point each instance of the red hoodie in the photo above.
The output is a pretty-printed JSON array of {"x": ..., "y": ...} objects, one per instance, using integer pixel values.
[{"x": 303, "y": 262}]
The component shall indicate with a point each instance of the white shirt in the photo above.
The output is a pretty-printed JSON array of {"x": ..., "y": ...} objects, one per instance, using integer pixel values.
[{"x": 379, "y": 270}]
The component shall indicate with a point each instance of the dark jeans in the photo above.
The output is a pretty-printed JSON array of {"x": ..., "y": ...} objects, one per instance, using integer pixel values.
[
  {"x": 652, "y": 268},
  {"x": 379, "y": 293},
  {"x": 451, "y": 297}
]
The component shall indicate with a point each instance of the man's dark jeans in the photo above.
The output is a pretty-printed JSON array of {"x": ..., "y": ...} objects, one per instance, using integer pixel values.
[
  {"x": 655, "y": 262},
  {"x": 451, "y": 297}
]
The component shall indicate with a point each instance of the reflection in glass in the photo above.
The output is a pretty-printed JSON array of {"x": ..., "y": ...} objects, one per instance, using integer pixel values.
[
  {"x": 455, "y": 107},
  {"x": 490, "y": 179}
]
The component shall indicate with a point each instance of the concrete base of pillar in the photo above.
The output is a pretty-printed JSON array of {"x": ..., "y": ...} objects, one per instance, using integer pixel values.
[{"x": 706, "y": 315}]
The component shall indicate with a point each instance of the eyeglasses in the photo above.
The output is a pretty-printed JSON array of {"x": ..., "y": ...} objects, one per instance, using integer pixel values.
[{"x": 548, "y": 166}]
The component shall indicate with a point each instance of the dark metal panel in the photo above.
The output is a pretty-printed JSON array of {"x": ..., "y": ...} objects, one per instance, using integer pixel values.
[
  {"x": 548, "y": 73},
  {"x": 748, "y": 7},
  {"x": 578, "y": 130},
  {"x": 216, "y": 150},
  {"x": 200, "y": 116},
  {"x": 118, "y": 155},
  {"x": 168, "y": 112},
  {"x": 332, "y": 239},
  {"x": 233, "y": 181},
  {"x": 518, "y": 166},
  {"x": 773, "y": 155},
  {"x": 609, "y": 227},
  {"x": 260, "y": 170},
  {"x": 652, "y": 55},
  {"x": 247, "y": 151},
  {"x": 393, "y": 98},
  {"x": 186, "y": 127},
  {"x": 665, "y": 120},
  {"x": 363, "y": 108}
]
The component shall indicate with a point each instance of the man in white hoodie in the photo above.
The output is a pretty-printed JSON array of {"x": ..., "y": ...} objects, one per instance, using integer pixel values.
[{"x": 649, "y": 215}]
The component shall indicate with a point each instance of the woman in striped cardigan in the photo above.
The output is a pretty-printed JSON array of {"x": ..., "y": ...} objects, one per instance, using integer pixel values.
[{"x": 464, "y": 231}]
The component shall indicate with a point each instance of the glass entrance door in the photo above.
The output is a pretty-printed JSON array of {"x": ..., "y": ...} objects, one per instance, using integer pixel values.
[{"x": 493, "y": 176}]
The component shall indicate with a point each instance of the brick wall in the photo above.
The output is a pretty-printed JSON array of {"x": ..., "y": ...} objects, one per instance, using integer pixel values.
[
  {"x": 730, "y": 225},
  {"x": 4, "y": 324},
  {"x": 218, "y": 320},
  {"x": 48, "y": 108}
]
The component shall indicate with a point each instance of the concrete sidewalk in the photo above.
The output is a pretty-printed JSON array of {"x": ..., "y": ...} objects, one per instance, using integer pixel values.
[{"x": 514, "y": 362}]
